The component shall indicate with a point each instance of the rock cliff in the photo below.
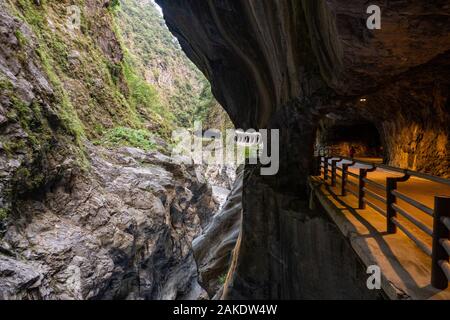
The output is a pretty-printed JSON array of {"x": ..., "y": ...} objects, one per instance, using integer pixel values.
[
  {"x": 123, "y": 231},
  {"x": 213, "y": 249},
  {"x": 285, "y": 65},
  {"x": 79, "y": 220}
]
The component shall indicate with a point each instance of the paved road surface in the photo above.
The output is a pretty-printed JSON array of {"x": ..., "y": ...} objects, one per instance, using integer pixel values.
[
  {"x": 418, "y": 189},
  {"x": 403, "y": 264}
]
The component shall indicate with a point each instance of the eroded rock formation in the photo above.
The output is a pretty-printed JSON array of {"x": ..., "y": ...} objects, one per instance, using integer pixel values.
[
  {"x": 123, "y": 231},
  {"x": 213, "y": 249},
  {"x": 79, "y": 221},
  {"x": 285, "y": 64}
]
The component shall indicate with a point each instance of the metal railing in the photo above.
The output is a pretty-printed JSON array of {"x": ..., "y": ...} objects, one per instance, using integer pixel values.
[{"x": 440, "y": 231}]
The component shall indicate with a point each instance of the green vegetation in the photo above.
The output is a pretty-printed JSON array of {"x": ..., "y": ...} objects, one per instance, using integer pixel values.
[
  {"x": 205, "y": 103},
  {"x": 28, "y": 179},
  {"x": 122, "y": 136},
  {"x": 248, "y": 152},
  {"x": 96, "y": 93},
  {"x": 66, "y": 110},
  {"x": 32, "y": 14},
  {"x": 3, "y": 214},
  {"x": 139, "y": 29},
  {"x": 144, "y": 97},
  {"x": 141, "y": 93},
  {"x": 210, "y": 112},
  {"x": 140, "y": 87},
  {"x": 223, "y": 279},
  {"x": 52, "y": 52},
  {"x": 30, "y": 119},
  {"x": 182, "y": 89},
  {"x": 5, "y": 85},
  {"x": 21, "y": 38},
  {"x": 114, "y": 5}
]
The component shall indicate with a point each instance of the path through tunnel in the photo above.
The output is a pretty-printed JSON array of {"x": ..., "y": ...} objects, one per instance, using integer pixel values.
[{"x": 339, "y": 137}]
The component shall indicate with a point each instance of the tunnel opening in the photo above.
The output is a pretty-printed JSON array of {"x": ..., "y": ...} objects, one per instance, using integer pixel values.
[{"x": 357, "y": 138}]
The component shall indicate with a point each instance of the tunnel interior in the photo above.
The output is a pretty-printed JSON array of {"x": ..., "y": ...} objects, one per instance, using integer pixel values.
[{"x": 340, "y": 137}]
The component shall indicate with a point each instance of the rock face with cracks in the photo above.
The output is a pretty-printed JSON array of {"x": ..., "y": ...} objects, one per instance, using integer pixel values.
[
  {"x": 122, "y": 232},
  {"x": 78, "y": 221},
  {"x": 214, "y": 248},
  {"x": 286, "y": 64}
]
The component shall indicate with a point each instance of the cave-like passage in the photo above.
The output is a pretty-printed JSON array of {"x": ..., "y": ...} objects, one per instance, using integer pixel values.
[
  {"x": 413, "y": 202},
  {"x": 358, "y": 139}
]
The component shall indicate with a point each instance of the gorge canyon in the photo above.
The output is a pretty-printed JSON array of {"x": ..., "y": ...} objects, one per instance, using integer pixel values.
[{"x": 94, "y": 206}]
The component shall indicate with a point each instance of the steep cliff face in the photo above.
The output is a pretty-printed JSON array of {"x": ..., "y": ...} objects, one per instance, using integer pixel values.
[
  {"x": 158, "y": 57},
  {"x": 213, "y": 250},
  {"x": 322, "y": 51},
  {"x": 246, "y": 51},
  {"x": 285, "y": 64},
  {"x": 121, "y": 231},
  {"x": 77, "y": 220},
  {"x": 62, "y": 81}
]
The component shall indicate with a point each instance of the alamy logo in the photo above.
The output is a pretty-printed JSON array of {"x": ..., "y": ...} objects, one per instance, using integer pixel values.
[
  {"x": 374, "y": 280},
  {"x": 233, "y": 147},
  {"x": 374, "y": 20}
]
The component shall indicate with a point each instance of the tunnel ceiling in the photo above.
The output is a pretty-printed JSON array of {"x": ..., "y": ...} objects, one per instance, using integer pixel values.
[
  {"x": 261, "y": 54},
  {"x": 364, "y": 132}
]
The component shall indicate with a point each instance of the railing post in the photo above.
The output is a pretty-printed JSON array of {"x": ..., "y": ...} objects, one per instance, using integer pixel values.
[
  {"x": 333, "y": 172},
  {"x": 325, "y": 168},
  {"x": 440, "y": 232},
  {"x": 391, "y": 185},
  {"x": 345, "y": 176},
  {"x": 344, "y": 179},
  {"x": 362, "y": 184},
  {"x": 319, "y": 165}
]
